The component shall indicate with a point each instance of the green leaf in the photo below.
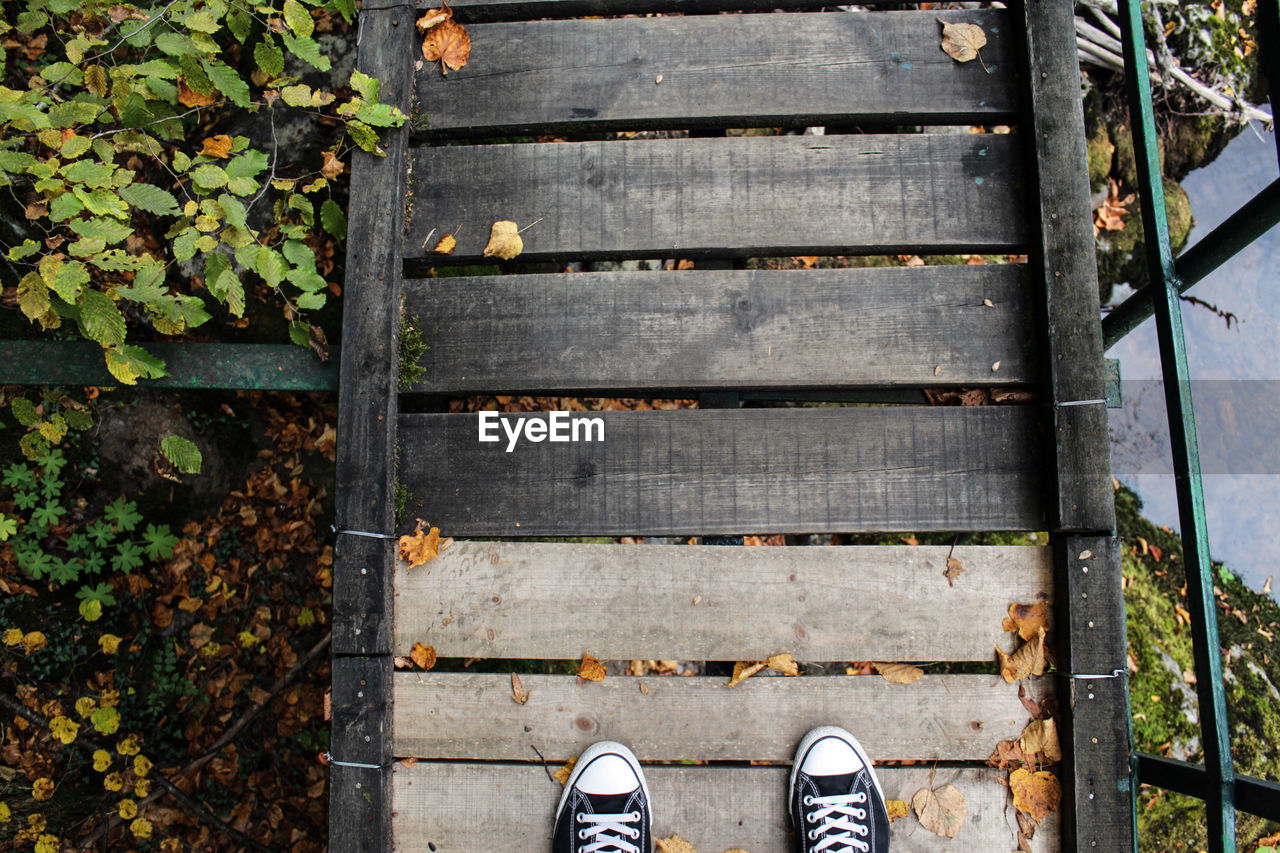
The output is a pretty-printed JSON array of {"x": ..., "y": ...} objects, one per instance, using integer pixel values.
[
  {"x": 158, "y": 542},
  {"x": 18, "y": 475},
  {"x": 311, "y": 301},
  {"x": 347, "y": 8},
  {"x": 227, "y": 289},
  {"x": 103, "y": 202},
  {"x": 269, "y": 57},
  {"x": 100, "y": 319},
  {"x": 122, "y": 513},
  {"x": 24, "y": 411},
  {"x": 106, "y": 720},
  {"x": 184, "y": 245},
  {"x": 33, "y": 296},
  {"x": 247, "y": 165},
  {"x": 240, "y": 23},
  {"x": 270, "y": 266},
  {"x": 307, "y": 50},
  {"x": 362, "y": 135},
  {"x": 65, "y": 206},
  {"x": 101, "y": 532},
  {"x": 193, "y": 71},
  {"x": 297, "y": 96},
  {"x": 134, "y": 111},
  {"x": 49, "y": 514},
  {"x": 233, "y": 210},
  {"x": 128, "y": 557},
  {"x": 91, "y": 610},
  {"x": 28, "y": 248},
  {"x": 229, "y": 82},
  {"x": 101, "y": 592},
  {"x": 182, "y": 453},
  {"x": 74, "y": 147},
  {"x": 364, "y": 85},
  {"x": 202, "y": 21},
  {"x": 8, "y": 527},
  {"x": 299, "y": 254},
  {"x": 300, "y": 333},
  {"x": 70, "y": 113},
  {"x": 380, "y": 115},
  {"x": 174, "y": 45},
  {"x": 150, "y": 198},
  {"x": 108, "y": 230},
  {"x": 333, "y": 219},
  {"x": 89, "y": 173},
  {"x": 129, "y": 363},
  {"x": 298, "y": 18},
  {"x": 70, "y": 279},
  {"x": 30, "y": 21},
  {"x": 209, "y": 176}
]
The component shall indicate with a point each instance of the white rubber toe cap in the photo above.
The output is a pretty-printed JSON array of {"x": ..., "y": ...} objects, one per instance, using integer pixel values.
[
  {"x": 831, "y": 756},
  {"x": 608, "y": 774}
]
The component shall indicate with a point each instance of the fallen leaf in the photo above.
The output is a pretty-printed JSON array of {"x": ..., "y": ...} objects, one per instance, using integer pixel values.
[
  {"x": 402, "y": 662},
  {"x": 562, "y": 775},
  {"x": 1037, "y": 793},
  {"x": 1026, "y": 826},
  {"x": 897, "y": 809},
  {"x": 941, "y": 811},
  {"x": 962, "y": 41},
  {"x": 684, "y": 264},
  {"x": 432, "y": 17},
  {"x": 1026, "y": 619},
  {"x": 446, "y": 245},
  {"x": 217, "y": 146},
  {"x": 449, "y": 42},
  {"x": 191, "y": 98},
  {"x": 899, "y": 673},
  {"x": 808, "y": 261},
  {"x": 418, "y": 547},
  {"x": 591, "y": 669},
  {"x": 644, "y": 689},
  {"x": 1008, "y": 755},
  {"x": 1041, "y": 737},
  {"x": 784, "y": 664},
  {"x": 744, "y": 669},
  {"x": 1111, "y": 213},
  {"x": 1028, "y": 660},
  {"x": 504, "y": 241},
  {"x": 333, "y": 166},
  {"x": 988, "y": 303},
  {"x": 674, "y": 844},
  {"x": 423, "y": 656},
  {"x": 954, "y": 570},
  {"x": 995, "y": 368},
  {"x": 518, "y": 694}
]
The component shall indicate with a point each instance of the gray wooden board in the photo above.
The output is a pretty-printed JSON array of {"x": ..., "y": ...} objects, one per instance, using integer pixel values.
[
  {"x": 937, "y": 718},
  {"x": 512, "y": 10},
  {"x": 508, "y": 808},
  {"x": 780, "y": 195},
  {"x": 730, "y": 471},
  {"x": 743, "y": 70},
  {"x": 1065, "y": 255},
  {"x": 623, "y": 602},
  {"x": 696, "y": 329},
  {"x": 359, "y": 797}
]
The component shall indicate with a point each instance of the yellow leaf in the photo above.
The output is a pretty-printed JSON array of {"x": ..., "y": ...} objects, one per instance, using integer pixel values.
[
  {"x": 128, "y": 809},
  {"x": 42, "y": 788},
  {"x": 1041, "y": 736},
  {"x": 217, "y": 146},
  {"x": 1028, "y": 660},
  {"x": 141, "y": 828},
  {"x": 423, "y": 656},
  {"x": 744, "y": 669},
  {"x": 899, "y": 673},
  {"x": 504, "y": 241},
  {"x": 941, "y": 811},
  {"x": 128, "y": 746},
  {"x": 101, "y": 760},
  {"x": 783, "y": 663},
  {"x": 562, "y": 775},
  {"x": 897, "y": 809},
  {"x": 5, "y": 816},
  {"x": 12, "y": 637},
  {"x": 518, "y": 694},
  {"x": 113, "y": 781},
  {"x": 33, "y": 640},
  {"x": 142, "y": 789},
  {"x": 449, "y": 42},
  {"x": 1035, "y": 794},
  {"x": 591, "y": 669},
  {"x": 64, "y": 729},
  {"x": 674, "y": 844},
  {"x": 47, "y": 844},
  {"x": 1026, "y": 619},
  {"x": 418, "y": 547},
  {"x": 446, "y": 245},
  {"x": 189, "y": 604},
  {"x": 86, "y": 705},
  {"x": 141, "y": 766},
  {"x": 105, "y": 719},
  {"x": 110, "y": 643},
  {"x": 962, "y": 41}
]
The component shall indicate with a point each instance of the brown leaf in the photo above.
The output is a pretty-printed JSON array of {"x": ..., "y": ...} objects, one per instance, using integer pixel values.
[
  {"x": 418, "y": 547},
  {"x": 562, "y": 775},
  {"x": 319, "y": 343},
  {"x": 962, "y": 41},
  {"x": 402, "y": 662},
  {"x": 191, "y": 98},
  {"x": 1026, "y": 826},
  {"x": 899, "y": 673},
  {"x": 504, "y": 241},
  {"x": 897, "y": 809},
  {"x": 333, "y": 165},
  {"x": 432, "y": 17},
  {"x": 518, "y": 694},
  {"x": 423, "y": 656},
  {"x": 449, "y": 42},
  {"x": 1037, "y": 793},
  {"x": 954, "y": 570},
  {"x": 258, "y": 696},
  {"x": 1008, "y": 754},
  {"x": 591, "y": 669},
  {"x": 1028, "y": 660},
  {"x": 217, "y": 146},
  {"x": 941, "y": 811},
  {"x": 1026, "y": 619},
  {"x": 784, "y": 664},
  {"x": 446, "y": 245},
  {"x": 674, "y": 844},
  {"x": 744, "y": 669},
  {"x": 1041, "y": 736}
]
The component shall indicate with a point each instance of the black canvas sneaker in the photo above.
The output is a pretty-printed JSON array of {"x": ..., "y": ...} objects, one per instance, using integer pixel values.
[
  {"x": 836, "y": 803},
  {"x": 605, "y": 805}
]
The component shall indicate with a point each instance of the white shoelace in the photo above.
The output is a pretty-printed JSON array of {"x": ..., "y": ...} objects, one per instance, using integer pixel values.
[
  {"x": 608, "y": 832},
  {"x": 836, "y": 827}
]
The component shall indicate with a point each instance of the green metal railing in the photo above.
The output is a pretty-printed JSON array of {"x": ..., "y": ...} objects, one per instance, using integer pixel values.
[{"x": 1214, "y": 781}]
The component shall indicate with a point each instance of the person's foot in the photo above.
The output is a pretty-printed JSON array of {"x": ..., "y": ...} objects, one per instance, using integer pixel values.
[
  {"x": 836, "y": 804},
  {"x": 605, "y": 805}
]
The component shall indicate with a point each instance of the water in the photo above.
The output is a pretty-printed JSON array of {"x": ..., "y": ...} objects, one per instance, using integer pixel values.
[{"x": 1236, "y": 380}]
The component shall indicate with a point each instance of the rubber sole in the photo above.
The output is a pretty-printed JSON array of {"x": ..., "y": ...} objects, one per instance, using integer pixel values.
[{"x": 606, "y": 747}]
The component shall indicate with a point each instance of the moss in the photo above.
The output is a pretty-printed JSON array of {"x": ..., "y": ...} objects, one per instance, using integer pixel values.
[
  {"x": 1101, "y": 152},
  {"x": 411, "y": 348},
  {"x": 1177, "y": 208},
  {"x": 403, "y": 497}
]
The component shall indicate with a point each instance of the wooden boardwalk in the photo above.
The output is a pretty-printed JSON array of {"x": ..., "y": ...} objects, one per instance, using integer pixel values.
[{"x": 435, "y": 761}]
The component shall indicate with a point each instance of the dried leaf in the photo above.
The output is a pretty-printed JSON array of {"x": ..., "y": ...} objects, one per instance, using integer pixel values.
[
  {"x": 1008, "y": 754},
  {"x": 962, "y": 41},
  {"x": 448, "y": 42},
  {"x": 191, "y": 98},
  {"x": 418, "y": 547},
  {"x": 1026, "y": 619},
  {"x": 1028, "y": 660},
  {"x": 674, "y": 844},
  {"x": 1037, "y": 793},
  {"x": 562, "y": 775},
  {"x": 217, "y": 146},
  {"x": 941, "y": 811},
  {"x": 899, "y": 673},
  {"x": 446, "y": 245},
  {"x": 423, "y": 656},
  {"x": 743, "y": 669},
  {"x": 784, "y": 664},
  {"x": 432, "y": 17},
  {"x": 402, "y": 662},
  {"x": 333, "y": 166},
  {"x": 1041, "y": 737},
  {"x": 954, "y": 570},
  {"x": 504, "y": 241},
  {"x": 518, "y": 694},
  {"x": 897, "y": 809},
  {"x": 591, "y": 669}
]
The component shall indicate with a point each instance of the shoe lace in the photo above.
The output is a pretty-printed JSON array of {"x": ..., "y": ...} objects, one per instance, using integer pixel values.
[
  {"x": 838, "y": 824},
  {"x": 609, "y": 831}
]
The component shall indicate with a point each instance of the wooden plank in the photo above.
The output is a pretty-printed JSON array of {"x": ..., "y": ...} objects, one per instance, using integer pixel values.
[
  {"x": 730, "y": 471},
  {"x": 367, "y": 401},
  {"x": 622, "y": 602},
  {"x": 1098, "y": 742},
  {"x": 694, "y": 329},
  {"x": 1065, "y": 256},
  {"x": 360, "y": 797},
  {"x": 454, "y": 808},
  {"x": 801, "y": 70},
  {"x": 781, "y": 195},
  {"x": 470, "y": 11},
  {"x": 471, "y": 715}
]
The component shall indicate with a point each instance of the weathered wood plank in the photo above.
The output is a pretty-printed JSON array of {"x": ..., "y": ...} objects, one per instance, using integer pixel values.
[
  {"x": 455, "y": 808},
  {"x": 781, "y": 195},
  {"x": 360, "y": 797},
  {"x": 744, "y": 70},
  {"x": 730, "y": 471},
  {"x": 472, "y": 716},
  {"x": 519, "y": 10},
  {"x": 622, "y": 602},
  {"x": 694, "y": 329}
]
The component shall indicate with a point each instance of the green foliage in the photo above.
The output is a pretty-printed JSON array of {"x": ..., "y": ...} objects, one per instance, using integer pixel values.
[
  {"x": 182, "y": 453},
  {"x": 411, "y": 348},
  {"x": 100, "y": 108}
]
